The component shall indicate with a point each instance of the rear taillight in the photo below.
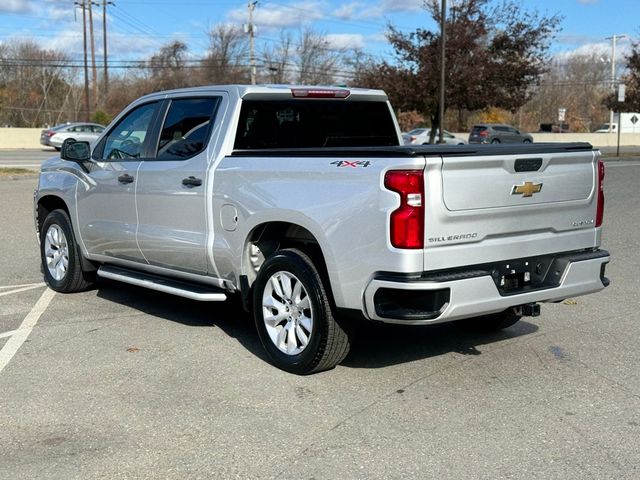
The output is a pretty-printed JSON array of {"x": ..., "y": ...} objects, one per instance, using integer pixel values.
[
  {"x": 407, "y": 221},
  {"x": 50, "y": 133},
  {"x": 600, "y": 207}
]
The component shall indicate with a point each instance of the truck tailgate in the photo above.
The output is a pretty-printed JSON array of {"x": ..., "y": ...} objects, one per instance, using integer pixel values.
[
  {"x": 499, "y": 207},
  {"x": 516, "y": 181}
]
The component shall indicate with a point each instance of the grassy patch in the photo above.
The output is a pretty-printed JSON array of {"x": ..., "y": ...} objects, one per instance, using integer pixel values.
[{"x": 7, "y": 172}]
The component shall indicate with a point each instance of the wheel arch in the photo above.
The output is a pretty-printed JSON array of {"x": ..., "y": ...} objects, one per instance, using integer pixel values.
[
  {"x": 271, "y": 236},
  {"x": 47, "y": 204}
]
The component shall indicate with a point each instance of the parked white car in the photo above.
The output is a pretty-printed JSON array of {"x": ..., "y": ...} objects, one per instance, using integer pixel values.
[
  {"x": 81, "y": 132},
  {"x": 420, "y": 136}
]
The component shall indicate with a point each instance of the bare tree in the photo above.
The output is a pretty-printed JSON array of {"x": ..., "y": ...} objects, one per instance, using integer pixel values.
[
  {"x": 226, "y": 59},
  {"x": 632, "y": 82},
  {"x": 168, "y": 67},
  {"x": 34, "y": 84},
  {"x": 315, "y": 62},
  {"x": 277, "y": 60},
  {"x": 578, "y": 84}
]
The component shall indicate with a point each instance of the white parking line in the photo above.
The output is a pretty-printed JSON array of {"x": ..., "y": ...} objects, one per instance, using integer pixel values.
[
  {"x": 7, "y": 334},
  {"x": 39, "y": 284},
  {"x": 20, "y": 335},
  {"x": 23, "y": 289}
]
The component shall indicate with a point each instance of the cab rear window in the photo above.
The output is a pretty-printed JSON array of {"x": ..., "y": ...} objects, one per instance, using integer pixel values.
[{"x": 314, "y": 124}]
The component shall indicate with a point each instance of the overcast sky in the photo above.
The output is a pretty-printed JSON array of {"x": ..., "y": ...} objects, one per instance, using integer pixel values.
[{"x": 138, "y": 27}]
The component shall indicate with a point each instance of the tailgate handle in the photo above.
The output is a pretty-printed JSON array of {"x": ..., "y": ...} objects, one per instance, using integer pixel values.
[{"x": 528, "y": 164}]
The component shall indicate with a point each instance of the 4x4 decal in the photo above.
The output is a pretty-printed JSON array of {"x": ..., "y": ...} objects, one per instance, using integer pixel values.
[{"x": 352, "y": 164}]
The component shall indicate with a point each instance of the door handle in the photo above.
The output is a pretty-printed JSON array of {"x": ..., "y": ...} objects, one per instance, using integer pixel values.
[
  {"x": 125, "y": 178},
  {"x": 191, "y": 182}
]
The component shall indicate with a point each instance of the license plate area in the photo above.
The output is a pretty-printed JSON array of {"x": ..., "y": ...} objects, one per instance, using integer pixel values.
[{"x": 517, "y": 276}]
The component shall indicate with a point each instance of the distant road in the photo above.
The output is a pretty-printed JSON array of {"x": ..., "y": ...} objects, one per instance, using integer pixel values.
[{"x": 27, "y": 158}]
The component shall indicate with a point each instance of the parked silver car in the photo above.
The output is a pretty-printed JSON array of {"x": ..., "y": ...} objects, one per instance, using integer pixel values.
[
  {"x": 420, "y": 136},
  {"x": 47, "y": 133},
  {"x": 87, "y": 132},
  {"x": 498, "y": 133}
]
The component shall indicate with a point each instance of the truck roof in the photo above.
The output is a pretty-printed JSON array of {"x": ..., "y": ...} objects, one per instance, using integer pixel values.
[{"x": 274, "y": 91}]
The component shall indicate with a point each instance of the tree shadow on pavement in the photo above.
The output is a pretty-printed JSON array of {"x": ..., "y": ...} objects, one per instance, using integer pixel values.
[{"x": 376, "y": 345}]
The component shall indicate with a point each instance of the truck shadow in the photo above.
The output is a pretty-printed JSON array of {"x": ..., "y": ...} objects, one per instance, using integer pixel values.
[
  {"x": 381, "y": 345},
  {"x": 229, "y": 316},
  {"x": 375, "y": 345}
]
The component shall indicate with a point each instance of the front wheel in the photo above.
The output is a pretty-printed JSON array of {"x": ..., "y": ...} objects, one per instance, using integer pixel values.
[
  {"x": 60, "y": 255},
  {"x": 294, "y": 315},
  {"x": 495, "y": 141}
]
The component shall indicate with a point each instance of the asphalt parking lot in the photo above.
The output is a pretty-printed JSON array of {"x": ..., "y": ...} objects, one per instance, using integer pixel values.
[{"x": 120, "y": 382}]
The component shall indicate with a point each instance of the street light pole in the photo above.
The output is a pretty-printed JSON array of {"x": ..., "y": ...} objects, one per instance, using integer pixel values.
[
  {"x": 82, "y": 4},
  {"x": 613, "y": 39},
  {"x": 443, "y": 37},
  {"x": 252, "y": 56}
]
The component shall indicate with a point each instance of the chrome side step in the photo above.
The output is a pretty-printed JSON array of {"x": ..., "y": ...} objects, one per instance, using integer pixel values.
[{"x": 192, "y": 291}]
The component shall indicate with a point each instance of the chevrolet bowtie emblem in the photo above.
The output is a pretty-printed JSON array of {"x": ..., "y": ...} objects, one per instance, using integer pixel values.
[{"x": 526, "y": 190}]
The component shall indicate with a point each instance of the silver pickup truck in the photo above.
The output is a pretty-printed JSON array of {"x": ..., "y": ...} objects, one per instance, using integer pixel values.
[{"x": 301, "y": 202}]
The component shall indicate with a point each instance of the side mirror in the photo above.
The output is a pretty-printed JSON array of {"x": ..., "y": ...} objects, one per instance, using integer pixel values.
[{"x": 75, "y": 151}]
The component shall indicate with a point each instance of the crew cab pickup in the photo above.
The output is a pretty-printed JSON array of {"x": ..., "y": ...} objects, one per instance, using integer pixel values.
[{"x": 302, "y": 202}]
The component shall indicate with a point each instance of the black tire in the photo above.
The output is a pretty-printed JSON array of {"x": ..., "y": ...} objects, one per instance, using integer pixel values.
[
  {"x": 491, "y": 323},
  {"x": 329, "y": 340},
  {"x": 495, "y": 141},
  {"x": 75, "y": 279},
  {"x": 526, "y": 140}
]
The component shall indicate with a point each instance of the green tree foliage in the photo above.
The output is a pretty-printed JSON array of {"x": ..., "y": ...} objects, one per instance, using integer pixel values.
[
  {"x": 101, "y": 117},
  {"x": 494, "y": 51}
]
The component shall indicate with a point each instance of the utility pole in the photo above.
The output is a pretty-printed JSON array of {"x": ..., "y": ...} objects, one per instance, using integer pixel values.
[
  {"x": 251, "y": 31},
  {"x": 94, "y": 72},
  {"x": 104, "y": 47},
  {"x": 443, "y": 39},
  {"x": 613, "y": 39},
  {"x": 81, "y": 4}
]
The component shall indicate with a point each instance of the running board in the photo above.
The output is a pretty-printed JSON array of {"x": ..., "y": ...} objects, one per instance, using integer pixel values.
[{"x": 202, "y": 293}]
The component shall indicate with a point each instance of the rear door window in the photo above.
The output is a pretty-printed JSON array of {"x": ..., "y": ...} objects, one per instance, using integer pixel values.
[
  {"x": 186, "y": 128},
  {"x": 313, "y": 124}
]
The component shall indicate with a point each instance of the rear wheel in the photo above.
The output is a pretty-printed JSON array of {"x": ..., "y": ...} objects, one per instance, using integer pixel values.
[
  {"x": 491, "y": 323},
  {"x": 495, "y": 141},
  {"x": 526, "y": 140},
  {"x": 294, "y": 315},
  {"x": 60, "y": 255}
]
